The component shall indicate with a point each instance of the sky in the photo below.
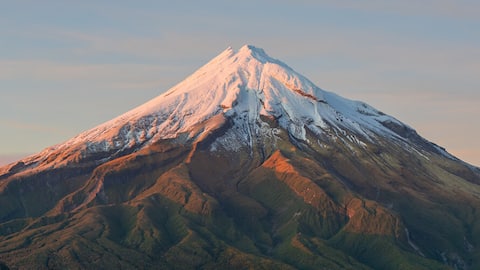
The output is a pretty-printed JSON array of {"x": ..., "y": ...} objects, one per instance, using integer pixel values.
[{"x": 67, "y": 66}]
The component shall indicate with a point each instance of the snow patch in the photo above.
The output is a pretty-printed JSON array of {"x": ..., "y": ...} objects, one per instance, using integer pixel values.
[{"x": 415, "y": 247}]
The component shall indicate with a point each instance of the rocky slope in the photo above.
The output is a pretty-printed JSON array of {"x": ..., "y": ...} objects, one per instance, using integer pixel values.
[{"x": 244, "y": 164}]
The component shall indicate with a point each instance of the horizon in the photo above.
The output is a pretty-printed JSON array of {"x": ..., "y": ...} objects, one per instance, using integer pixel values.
[{"x": 66, "y": 69}]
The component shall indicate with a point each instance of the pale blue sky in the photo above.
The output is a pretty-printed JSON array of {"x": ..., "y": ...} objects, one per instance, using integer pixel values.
[{"x": 67, "y": 66}]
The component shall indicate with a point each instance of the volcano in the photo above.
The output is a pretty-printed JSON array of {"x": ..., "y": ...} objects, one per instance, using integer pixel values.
[{"x": 245, "y": 164}]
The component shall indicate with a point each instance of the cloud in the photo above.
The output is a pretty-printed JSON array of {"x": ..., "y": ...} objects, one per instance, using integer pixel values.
[
  {"x": 404, "y": 73},
  {"x": 456, "y": 9},
  {"x": 165, "y": 46},
  {"x": 120, "y": 76},
  {"x": 30, "y": 127}
]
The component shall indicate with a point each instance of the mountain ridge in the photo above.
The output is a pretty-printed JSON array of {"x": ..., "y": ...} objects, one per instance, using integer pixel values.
[
  {"x": 245, "y": 163},
  {"x": 154, "y": 120}
]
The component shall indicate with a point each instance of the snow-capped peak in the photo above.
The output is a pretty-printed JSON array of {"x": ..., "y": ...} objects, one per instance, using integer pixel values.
[
  {"x": 231, "y": 82},
  {"x": 243, "y": 84},
  {"x": 258, "y": 53}
]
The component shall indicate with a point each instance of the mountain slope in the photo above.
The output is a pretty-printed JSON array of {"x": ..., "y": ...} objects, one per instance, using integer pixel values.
[{"x": 245, "y": 163}]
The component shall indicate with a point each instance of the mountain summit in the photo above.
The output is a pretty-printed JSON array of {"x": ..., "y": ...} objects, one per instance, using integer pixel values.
[
  {"x": 245, "y": 163},
  {"x": 245, "y": 87}
]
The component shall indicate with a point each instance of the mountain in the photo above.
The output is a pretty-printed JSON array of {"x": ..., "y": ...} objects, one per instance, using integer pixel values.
[{"x": 244, "y": 164}]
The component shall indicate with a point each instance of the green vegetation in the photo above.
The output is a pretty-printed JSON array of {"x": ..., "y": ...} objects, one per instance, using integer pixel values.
[{"x": 290, "y": 206}]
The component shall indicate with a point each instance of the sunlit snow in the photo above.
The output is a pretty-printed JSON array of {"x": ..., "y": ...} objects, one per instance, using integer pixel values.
[{"x": 242, "y": 85}]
